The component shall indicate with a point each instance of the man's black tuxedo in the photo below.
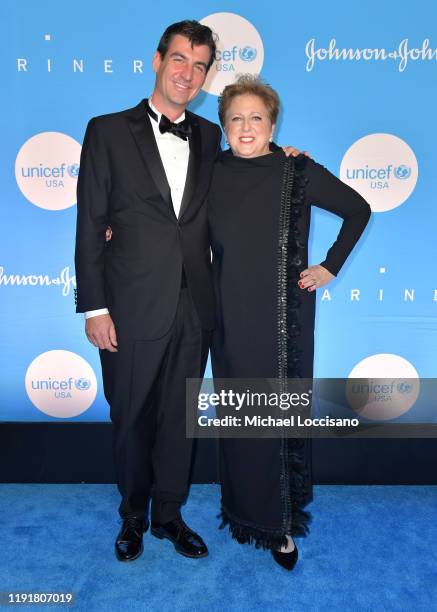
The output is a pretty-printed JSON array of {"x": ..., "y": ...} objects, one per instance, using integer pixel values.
[
  {"x": 154, "y": 277},
  {"x": 122, "y": 184}
]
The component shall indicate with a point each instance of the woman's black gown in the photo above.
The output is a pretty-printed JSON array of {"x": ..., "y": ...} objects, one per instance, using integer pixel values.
[{"x": 259, "y": 218}]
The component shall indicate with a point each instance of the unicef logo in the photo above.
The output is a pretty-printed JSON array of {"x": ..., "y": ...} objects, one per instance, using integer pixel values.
[
  {"x": 73, "y": 170},
  {"x": 402, "y": 172},
  {"x": 42, "y": 174},
  {"x": 382, "y": 168},
  {"x": 61, "y": 384},
  {"x": 248, "y": 54},
  {"x": 240, "y": 50},
  {"x": 404, "y": 387},
  {"x": 383, "y": 387},
  {"x": 83, "y": 384}
]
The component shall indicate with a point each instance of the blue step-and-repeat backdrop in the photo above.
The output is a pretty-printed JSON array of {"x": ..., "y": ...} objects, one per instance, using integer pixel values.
[{"x": 358, "y": 89}]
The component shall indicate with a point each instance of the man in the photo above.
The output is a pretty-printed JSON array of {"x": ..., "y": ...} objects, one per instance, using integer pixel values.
[{"x": 147, "y": 293}]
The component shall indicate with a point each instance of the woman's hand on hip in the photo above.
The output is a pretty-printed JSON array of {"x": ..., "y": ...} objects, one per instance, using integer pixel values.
[{"x": 314, "y": 277}]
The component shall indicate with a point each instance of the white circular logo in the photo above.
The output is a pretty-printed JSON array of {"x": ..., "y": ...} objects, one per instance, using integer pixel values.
[
  {"x": 382, "y": 168},
  {"x": 239, "y": 50},
  {"x": 46, "y": 170},
  {"x": 61, "y": 384},
  {"x": 382, "y": 387}
]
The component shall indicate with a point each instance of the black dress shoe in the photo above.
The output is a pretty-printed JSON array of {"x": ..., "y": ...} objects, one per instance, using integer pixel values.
[
  {"x": 287, "y": 560},
  {"x": 186, "y": 541},
  {"x": 129, "y": 542}
]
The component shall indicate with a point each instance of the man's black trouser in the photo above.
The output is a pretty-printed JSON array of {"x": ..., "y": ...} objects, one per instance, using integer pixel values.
[{"x": 144, "y": 384}]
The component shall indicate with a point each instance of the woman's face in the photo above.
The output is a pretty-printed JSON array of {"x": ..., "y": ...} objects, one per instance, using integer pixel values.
[{"x": 248, "y": 127}]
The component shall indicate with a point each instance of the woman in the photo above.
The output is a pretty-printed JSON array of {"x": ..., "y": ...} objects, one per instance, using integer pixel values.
[{"x": 259, "y": 217}]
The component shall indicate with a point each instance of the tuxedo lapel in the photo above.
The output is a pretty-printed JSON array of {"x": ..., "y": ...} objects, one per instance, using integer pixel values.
[
  {"x": 142, "y": 131},
  {"x": 193, "y": 164}
]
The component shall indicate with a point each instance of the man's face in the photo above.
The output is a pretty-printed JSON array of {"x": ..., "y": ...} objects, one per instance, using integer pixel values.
[{"x": 180, "y": 74}]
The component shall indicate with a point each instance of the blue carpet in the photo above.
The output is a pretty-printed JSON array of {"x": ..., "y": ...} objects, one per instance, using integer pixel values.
[{"x": 371, "y": 548}]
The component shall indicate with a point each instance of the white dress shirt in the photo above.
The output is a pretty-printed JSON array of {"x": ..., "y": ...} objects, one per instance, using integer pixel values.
[{"x": 174, "y": 154}]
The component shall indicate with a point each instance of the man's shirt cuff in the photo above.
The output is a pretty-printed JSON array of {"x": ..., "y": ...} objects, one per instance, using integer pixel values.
[{"x": 96, "y": 313}]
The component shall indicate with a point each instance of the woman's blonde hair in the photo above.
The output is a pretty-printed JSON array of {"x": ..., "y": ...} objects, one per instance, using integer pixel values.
[{"x": 247, "y": 84}]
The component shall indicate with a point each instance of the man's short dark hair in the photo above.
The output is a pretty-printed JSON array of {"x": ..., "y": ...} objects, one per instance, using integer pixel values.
[{"x": 196, "y": 33}]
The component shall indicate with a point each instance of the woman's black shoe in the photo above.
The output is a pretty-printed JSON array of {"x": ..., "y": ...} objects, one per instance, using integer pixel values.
[{"x": 287, "y": 560}]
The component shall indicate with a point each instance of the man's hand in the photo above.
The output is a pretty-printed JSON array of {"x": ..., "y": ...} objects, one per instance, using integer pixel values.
[
  {"x": 100, "y": 331},
  {"x": 291, "y": 151},
  {"x": 314, "y": 277},
  {"x": 294, "y": 152}
]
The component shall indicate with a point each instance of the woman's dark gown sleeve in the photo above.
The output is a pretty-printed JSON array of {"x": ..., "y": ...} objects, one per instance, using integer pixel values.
[{"x": 326, "y": 191}]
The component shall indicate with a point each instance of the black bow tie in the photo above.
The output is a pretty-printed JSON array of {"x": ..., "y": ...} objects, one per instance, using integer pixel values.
[{"x": 181, "y": 129}]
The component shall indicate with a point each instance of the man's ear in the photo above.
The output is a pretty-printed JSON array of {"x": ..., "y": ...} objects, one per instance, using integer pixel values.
[
  {"x": 273, "y": 130},
  {"x": 156, "y": 61}
]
